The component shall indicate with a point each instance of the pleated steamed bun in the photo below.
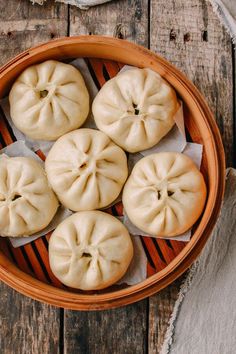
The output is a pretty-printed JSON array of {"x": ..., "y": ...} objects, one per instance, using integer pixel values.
[
  {"x": 165, "y": 194},
  {"x": 135, "y": 109},
  {"x": 86, "y": 169},
  {"x": 27, "y": 203},
  {"x": 48, "y": 100},
  {"x": 90, "y": 250}
]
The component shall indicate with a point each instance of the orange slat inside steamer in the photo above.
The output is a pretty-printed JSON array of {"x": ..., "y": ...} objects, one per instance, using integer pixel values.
[
  {"x": 37, "y": 267},
  {"x": 4, "y": 248},
  {"x": 97, "y": 67},
  {"x": 157, "y": 261},
  {"x": 41, "y": 155},
  {"x": 19, "y": 258},
  {"x": 5, "y": 133},
  {"x": 119, "y": 208},
  {"x": 44, "y": 256},
  {"x": 166, "y": 251},
  {"x": 111, "y": 67},
  {"x": 177, "y": 246}
]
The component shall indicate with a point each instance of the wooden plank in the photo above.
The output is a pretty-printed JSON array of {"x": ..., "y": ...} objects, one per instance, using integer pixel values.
[
  {"x": 116, "y": 331},
  {"x": 23, "y": 25},
  {"x": 27, "y": 326},
  {"x": 160, "y": 307},
  {"x": 121, "y": 330},
  {"x": 189, "y": 35},
  {"x": 127, "y": 20},
  {"x": 234, "y": 98}
]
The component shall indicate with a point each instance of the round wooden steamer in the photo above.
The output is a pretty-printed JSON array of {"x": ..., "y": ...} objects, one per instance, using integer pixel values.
[{"x": 203, "y": 129}]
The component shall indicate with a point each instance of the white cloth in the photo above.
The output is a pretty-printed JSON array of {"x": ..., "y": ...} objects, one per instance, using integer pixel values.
[
  {"x": 226, "y": 10},
  {"x": 204, "y": 316}
]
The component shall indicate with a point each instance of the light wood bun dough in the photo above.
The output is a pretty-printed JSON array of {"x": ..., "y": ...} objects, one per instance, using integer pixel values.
[
  {"x": 86, "y": 169},
  {"x": 135, "y": 109},
  {"x": 90, "y": 250},
  {"x": 48, "y": 100},
  {"x": 165, "y": 194},
  {"x": 27, "y": 203}
]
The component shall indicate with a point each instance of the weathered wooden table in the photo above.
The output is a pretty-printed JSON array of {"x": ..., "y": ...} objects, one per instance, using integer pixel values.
[{"x": 187, "y": 33}]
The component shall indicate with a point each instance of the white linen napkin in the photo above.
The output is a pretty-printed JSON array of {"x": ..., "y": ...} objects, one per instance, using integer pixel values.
[{"x": 204, "y": 316}]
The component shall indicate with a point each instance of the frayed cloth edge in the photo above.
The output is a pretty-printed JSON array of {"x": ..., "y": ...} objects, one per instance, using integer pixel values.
[{"x": 223, "y": 18}]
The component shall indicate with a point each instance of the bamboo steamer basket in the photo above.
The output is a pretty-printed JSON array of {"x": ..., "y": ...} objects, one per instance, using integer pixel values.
[{"x": 27, "y": 270}]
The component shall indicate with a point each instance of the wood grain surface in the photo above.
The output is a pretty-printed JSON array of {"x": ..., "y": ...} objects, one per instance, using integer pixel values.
[
  {"x": 27, "y": 326},
  {"x": 117, "y": 331},
  {"x": 188, "y": 34}
]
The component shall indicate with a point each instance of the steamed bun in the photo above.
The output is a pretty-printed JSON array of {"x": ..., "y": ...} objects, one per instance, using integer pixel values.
[
  {"x": 90, "y": 250},
  {"x": 48, "y": 100},
  {"x": 135, "y": 109},
  {"x": 27, "y": 203},
  {"x": 86, "y": 169},
  {"x": 165, "y": 194}
]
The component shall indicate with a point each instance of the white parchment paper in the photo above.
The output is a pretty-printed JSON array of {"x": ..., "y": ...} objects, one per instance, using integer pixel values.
[{"x": 137, "y": 270}]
